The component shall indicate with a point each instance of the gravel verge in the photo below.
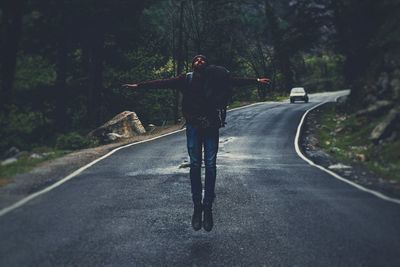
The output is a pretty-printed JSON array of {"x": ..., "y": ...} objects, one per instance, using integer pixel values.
[
  {"x": 52, "y": 171},
  {"x": 352, "y": 171}
]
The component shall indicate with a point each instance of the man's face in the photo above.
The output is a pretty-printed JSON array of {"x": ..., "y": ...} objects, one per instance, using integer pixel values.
[{"x": 199, "y": 63}]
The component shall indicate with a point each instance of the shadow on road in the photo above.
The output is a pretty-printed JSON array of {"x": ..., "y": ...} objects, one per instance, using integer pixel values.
[{"x": 200, "y": 252}]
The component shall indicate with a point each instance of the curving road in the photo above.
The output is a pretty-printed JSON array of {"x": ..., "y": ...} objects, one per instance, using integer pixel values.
[{"x": 272, "y": 208}]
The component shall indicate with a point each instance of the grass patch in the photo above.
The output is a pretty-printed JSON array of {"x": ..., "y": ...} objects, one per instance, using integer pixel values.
[
  {"x": 347, "y": 138},
  {"x": 26, "y": 163},
  {"x": 387, "y": 161},
  {"x": 237, "y": 104},
  {"x": 278, "y": 98}
]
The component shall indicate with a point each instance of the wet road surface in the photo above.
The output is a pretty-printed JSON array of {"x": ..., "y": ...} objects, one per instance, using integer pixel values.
[{"x": 272, "y": 208}]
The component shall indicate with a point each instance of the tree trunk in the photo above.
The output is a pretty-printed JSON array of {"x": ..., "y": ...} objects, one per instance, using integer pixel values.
[
  {"x": 281, "y": 55},
  {"x": 263, "y": 61},
  {"x": 285, "y": 68},
  {"x": 12, "y": 21},
  {"x": 180, "y": 59},
  {"x": 61, "y": 86},
  {"x": 95, "y": 77}
]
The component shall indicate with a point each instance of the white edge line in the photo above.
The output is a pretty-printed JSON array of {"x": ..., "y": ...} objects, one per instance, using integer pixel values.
[
  {"x": 75, "y": 173},
  {"x": 250, "y": 105},
  {"x": 296, "y": 144},
  {"x": 80, "y": 170}
]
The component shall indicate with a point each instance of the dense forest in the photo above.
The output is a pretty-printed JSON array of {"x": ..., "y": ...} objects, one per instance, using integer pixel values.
[{"x": 63, "y": 61}]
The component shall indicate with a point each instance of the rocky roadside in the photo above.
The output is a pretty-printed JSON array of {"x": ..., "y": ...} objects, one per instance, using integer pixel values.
[
  {"x": 52, "y": 171},
  {"x": 353, "y": 171}
]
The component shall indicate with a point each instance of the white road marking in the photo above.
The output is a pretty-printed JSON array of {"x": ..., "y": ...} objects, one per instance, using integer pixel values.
[
  {"x": 296, "y": 144},
  {"x": 80, "y": 170},
  {"x": 74, "y": 174}
]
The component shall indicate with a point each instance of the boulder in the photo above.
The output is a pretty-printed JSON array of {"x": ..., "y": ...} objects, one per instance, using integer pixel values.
[
  {"x": 383, "y": 128},
  {"x": 8, "y": 161},
  {"x": 123, "y": 125},
  {"x": 378, "y": 107},
  {"x": 115, "y": 136},
  {"x": 36, "y": 156},
  {"x": 339, "y": 166}
]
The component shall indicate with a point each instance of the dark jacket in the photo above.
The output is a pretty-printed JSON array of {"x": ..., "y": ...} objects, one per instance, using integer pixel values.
[{"x": 203, "y": 94}]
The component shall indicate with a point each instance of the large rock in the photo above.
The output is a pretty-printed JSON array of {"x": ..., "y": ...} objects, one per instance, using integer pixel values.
[
  {"x": 124, "y": 125},
  {"x": 378, "y": 107},
  {"x": 386, "y": 125},
  {"x": 8, "y": 161}
]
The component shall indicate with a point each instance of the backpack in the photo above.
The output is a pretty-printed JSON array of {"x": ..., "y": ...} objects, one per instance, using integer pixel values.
[{"x": 218, "y": 89}]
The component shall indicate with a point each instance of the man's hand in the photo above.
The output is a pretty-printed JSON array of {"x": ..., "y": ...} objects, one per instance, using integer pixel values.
[
  {"x": 263, "y": 80},
  {"x": 131, "y": 85}
]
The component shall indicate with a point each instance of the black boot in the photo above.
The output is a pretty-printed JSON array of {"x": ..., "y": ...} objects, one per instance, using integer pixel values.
[
  {"x": 196, "y": 218},
  {"x": 208, "y": 219}
]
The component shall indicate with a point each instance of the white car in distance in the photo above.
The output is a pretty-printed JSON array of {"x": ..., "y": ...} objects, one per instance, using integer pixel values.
[{"x": 298, "y": 93}]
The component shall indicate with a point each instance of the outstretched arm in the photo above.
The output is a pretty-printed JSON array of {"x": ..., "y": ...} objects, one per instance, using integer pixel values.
[
  {"x": 236, "y": 81},
  {"x": 131, "y": 85},
  {"x": 172, "y": 83},
  {"x": 264, "y": 80}
]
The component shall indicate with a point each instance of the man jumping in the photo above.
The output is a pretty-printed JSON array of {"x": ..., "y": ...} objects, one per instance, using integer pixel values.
[{"x": 205, "y": 96}]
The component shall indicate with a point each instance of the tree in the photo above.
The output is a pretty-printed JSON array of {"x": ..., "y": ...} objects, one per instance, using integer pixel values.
[
  {"x": 12, "y": 25},
  {"x": 294, "y": 27},
  {"x": 367, "y": 35}
]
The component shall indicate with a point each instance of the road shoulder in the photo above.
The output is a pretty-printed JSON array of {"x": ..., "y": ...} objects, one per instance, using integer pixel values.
[
  {"x": 352, "y": 171},
  {"x": 50, "y": 172}
]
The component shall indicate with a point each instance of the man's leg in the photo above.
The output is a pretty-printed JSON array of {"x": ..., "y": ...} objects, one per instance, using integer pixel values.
[
  {"x": 194, "y": 146},
  {"x": 211, "y": 140}
]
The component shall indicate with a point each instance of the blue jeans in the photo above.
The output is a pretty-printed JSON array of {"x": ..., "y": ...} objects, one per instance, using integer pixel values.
[{"x": 196, "y": 139}]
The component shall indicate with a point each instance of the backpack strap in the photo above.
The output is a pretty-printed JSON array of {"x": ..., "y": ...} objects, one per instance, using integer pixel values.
[{"x": 189, "y": 77}]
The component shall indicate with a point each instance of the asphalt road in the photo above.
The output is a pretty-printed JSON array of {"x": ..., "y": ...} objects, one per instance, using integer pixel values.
[{"x": 272, "y": 208}]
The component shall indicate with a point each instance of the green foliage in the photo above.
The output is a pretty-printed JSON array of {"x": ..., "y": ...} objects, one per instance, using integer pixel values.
[
  {"x": 25, "y": 164},
  {"x": 346, "y": 137},
  {"x": 323, "y": 72},
  {"x": 153, "y": 106},
  {"x": 33, "y": 71},
  {"x": 72, "y": 141},
  {"x": 165, "y": 71},
  {"x": 387, "y": 159},
  {"x": 23, "y": 129}
]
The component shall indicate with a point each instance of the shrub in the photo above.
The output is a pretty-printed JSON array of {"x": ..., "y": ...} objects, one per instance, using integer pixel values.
[
  {"x": 23, "y": 128},
  {"x": 72, "y": 141}
]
